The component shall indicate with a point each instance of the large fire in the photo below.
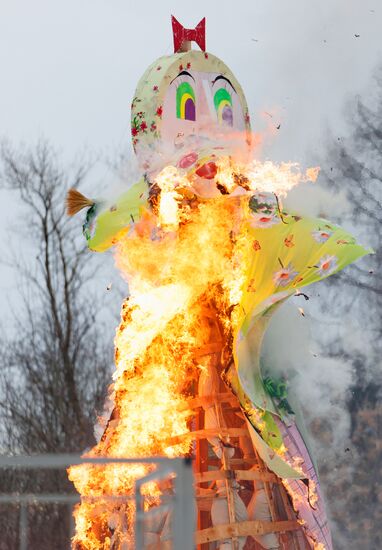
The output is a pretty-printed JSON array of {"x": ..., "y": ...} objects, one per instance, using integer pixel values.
[{"x": 187, "y": 253}]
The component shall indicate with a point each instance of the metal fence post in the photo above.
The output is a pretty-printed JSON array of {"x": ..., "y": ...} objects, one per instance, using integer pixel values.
[
  {"x": 23, "y": 526},
  {"x": 138, "y": 531},
  {"x": 71, "y": 522},
  {"x": 184, "y": 515},
  {"x": 181, "y": 503}
]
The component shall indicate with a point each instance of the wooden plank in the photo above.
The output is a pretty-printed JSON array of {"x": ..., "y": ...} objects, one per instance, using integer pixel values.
[
  {"x": 201, "y": 492},
  {"x": 230, "y": 495},
  {"x": 201, "y": 465},
  {"x": 244, "y": 475},
  {"x": 290, "y": 513},
  {"x": 206, "y": 400},
  {"x": 244, "y": 529},
  {"x": 235, "y": 462},
  {"x": 204, "y": 504},
  {"x": 206, "y": 433},
  {"x": 162, "y": 545},
  {"x": 267, "y": 488}
]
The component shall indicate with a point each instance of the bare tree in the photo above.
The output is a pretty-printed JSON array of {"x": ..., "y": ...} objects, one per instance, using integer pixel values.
[
  {"x": 55, "y": 364},
  {"x": 354, "y": 165}
]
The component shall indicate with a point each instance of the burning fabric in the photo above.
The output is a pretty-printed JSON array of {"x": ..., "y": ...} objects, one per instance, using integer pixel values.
[{"x": 209, "y": 253}]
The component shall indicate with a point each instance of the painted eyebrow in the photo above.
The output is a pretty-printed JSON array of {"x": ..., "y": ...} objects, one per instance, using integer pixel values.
[
  {"x": 184, "y": 73},
  {"x": 221, "y": 77}
]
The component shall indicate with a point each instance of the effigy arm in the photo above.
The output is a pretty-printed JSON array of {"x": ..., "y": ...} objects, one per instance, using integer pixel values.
[{"x": 106, "y": 223}]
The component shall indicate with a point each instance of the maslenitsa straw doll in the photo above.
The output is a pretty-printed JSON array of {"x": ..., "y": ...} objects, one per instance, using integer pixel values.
[{"x": 209, "y": 254}]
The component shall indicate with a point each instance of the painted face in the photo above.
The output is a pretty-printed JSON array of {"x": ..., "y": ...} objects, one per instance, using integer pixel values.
[
  {"x": 188, "y": 102},
  {"x": 201, "y": 105}
]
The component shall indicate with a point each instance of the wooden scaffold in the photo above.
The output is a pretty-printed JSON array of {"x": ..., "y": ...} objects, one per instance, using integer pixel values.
[
  {"x": 230, "y": 477},
  {"x": 240, "y": 503}
]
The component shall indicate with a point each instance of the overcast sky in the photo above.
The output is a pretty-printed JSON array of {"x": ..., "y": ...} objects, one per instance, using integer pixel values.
[{"x": 69, "y": 68}]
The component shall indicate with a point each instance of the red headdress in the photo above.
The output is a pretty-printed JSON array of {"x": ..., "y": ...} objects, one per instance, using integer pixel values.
[{"x": 183, "y": 37}]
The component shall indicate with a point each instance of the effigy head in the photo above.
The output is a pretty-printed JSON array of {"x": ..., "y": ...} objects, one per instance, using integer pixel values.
[{"x": 187, "y": 101}]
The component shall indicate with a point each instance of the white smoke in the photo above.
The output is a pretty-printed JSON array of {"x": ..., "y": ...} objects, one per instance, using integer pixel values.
[
  {"x": 313, "y": 199},
  {"x": 320, "y": 384},
  {"x": 296, "y": 345}
]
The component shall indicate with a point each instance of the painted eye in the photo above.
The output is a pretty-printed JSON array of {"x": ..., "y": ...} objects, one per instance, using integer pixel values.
[
  {"x": 185, "y": 102},
  {"x": 223, "y": 106}
]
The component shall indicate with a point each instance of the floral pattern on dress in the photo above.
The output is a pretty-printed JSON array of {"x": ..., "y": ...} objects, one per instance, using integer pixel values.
[
  {"x": 256, "y": 245},
  {"x": 289, "y": 241},
  {"x": 351, "y": 240},
  {"x": 264, "y": 212},
  {"x": 284, "y": 276},
  {"x": 321, "y": 236},
  {"x": 327, "y": 265}
]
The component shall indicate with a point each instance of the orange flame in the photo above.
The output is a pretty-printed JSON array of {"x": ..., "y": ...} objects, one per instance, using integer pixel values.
[{"x": 192, "y": 252}]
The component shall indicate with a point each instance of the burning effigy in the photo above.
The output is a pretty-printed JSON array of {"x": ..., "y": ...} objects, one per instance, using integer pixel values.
[{"x": 209, "y": 254}]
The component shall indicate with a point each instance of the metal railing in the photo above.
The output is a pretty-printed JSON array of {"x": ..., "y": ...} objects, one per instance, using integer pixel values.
[{"x": 180, "y": 504}]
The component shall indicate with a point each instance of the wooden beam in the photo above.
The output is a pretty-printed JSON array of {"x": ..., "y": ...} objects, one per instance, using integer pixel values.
[
  {"x": 162, "y": 545},
  {"x": 206, "y": 433},
  {"x": 235, "y": 462},
  {"x": 244, "y": 475},
  {"x": 206, "y": 400},
  {"x": 201, "y": 465},
  {"x": 244, "y": 529}
]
